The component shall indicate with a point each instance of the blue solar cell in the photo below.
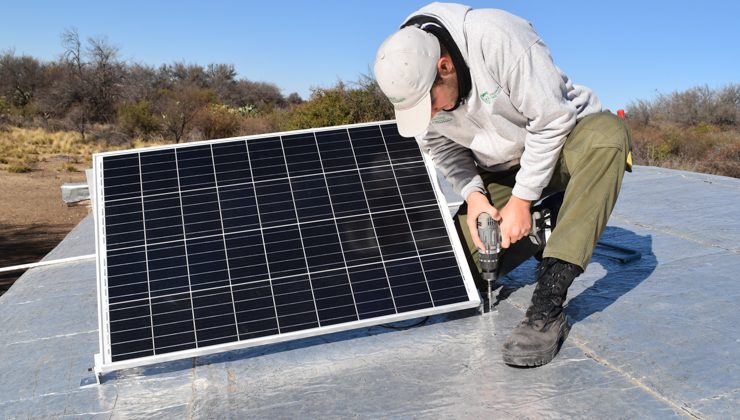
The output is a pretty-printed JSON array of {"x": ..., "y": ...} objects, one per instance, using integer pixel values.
[
  {"x": 336, "y": 151},
  {"x": 302, "y": 155},
  {"x": 442, "y": 278},
  {"x": 369, "y": 147},
  {"x": 267, "y": 159},
  {"x": 408, "y": 285},
  {"x": 334, "y": 300},
  {"x": 400, "y": 149},
  {"x": 284, "y": 251},
  {"x": 414, "y": 186},
  {"x": 275, "y": 203},
  {"x": 321, "y": 246},
  {"x": 294, "y": 303},
  {"x": 159, "y": 173},
  {"x": 372, "y": 290},
  {"x": 394, "y": 235},
  {"x": 347, "y": 196},
  {"x": 311, "y": 198},
  {"x": 231, "y": 163}
]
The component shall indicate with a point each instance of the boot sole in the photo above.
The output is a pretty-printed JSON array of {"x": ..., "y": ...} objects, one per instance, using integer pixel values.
[{"x": 531, "y": 359}]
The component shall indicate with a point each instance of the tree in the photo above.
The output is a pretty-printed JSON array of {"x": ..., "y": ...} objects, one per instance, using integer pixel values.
[
  {"x": 262, "y": 95},
  {"x": 93, "y": 81},
  {"x": 180, "y": 105},
  {"x": 294, "y": 99},
  {"x": 179, "y": 72},
  {"x": 104, "y": 79},
  {"x": 74, "y": 90},
  {"x": 20, "y": 78},
  {"x": 728, "y": 105},
  {"x": 140, "y": 83},
  {"x": 53, "y": 99},
  {"x": 221, "y": 78}
]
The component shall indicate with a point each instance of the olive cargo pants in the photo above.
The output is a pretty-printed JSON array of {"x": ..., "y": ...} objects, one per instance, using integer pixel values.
[{"x": 589, "y": 170}]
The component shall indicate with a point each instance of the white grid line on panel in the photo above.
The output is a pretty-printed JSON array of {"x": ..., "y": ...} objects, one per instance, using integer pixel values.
[
  {"x": 185, "y": 244},
  {"x": 300, "y": 235},
  {"x": 336, "y": 227},
  {"x": 372, "y": 223},
  {"x": 262, "y": 235},
  {"x": 405, "y": 212},
  {"x": 146, "y": 256},
  {"x": 223, "y": 235}
]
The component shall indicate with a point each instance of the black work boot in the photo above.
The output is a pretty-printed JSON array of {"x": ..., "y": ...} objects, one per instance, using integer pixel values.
[{"x": 537, "y": 339}]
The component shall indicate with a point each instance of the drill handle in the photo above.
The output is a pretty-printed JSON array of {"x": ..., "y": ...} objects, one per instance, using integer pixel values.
[{"x": 489, "y": 233}]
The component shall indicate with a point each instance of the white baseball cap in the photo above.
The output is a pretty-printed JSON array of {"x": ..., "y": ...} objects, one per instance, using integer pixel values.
[{"x": 405, "y": 68}]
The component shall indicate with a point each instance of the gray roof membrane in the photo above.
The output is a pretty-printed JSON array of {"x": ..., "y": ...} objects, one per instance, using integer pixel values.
[{"x": 654, "y": 338}]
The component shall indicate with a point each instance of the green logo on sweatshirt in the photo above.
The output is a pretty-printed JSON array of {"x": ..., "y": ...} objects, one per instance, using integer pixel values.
[
  {"x": 488, "y": 97},
  {"x": 441, "y": 119}
]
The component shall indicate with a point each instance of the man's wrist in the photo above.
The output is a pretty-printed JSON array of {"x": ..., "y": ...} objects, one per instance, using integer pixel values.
[
  {"x": 475, "y": 196},
  {"x": 520, "y": 202}
]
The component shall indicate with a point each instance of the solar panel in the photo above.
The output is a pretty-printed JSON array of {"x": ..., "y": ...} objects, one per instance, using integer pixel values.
[{"x": 210, "y": 246}]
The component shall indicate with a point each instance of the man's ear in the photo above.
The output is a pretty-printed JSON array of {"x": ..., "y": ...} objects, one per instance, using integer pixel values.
[{"x": 445, "y": 67}]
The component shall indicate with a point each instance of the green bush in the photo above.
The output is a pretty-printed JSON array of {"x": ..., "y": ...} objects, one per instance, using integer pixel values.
[
  {"x": 137, "y": 118},
  {"x": 340, "y": 105}
]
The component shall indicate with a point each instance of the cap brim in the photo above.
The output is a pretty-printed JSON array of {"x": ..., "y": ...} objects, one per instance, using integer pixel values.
[{"x": 415, "y": 120}]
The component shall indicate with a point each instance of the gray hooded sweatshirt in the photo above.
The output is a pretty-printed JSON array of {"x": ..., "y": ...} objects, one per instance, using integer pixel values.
[{"x": 520, "y": 109}]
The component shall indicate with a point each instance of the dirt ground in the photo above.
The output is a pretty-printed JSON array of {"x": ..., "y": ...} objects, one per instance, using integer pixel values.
[{"x": 33, "y": 217}]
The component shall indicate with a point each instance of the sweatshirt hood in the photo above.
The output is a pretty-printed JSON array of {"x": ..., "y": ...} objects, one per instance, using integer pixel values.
[{"x": 452, "y": 16}]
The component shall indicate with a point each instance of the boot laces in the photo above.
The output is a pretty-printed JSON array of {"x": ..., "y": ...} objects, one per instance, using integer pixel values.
[{"x": 554, "y": 278}]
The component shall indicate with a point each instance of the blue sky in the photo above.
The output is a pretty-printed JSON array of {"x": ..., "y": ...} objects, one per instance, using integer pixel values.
[{"x": 624, "y": 50}]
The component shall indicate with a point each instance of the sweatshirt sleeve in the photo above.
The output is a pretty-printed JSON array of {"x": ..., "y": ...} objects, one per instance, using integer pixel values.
[
  {"x": 539, "y": 90},
  {"x": 454, "y": 161}
]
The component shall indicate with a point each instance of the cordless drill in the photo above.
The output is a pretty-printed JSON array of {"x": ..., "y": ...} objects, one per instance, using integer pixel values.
[
  {"x": 491, "y": 258},
  {"x": 490, "y": 235}
]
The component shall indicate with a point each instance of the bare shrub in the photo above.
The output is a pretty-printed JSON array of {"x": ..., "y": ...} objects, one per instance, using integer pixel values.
[
  {"x": 690, "y": 107},
  {"x": 727, "y": 109},
  {"x": 217, "y": 121},
  {"x": 640, "y": 111},
  {"x": 723, "y": 159},
  {"x": 259, "y": 125}
]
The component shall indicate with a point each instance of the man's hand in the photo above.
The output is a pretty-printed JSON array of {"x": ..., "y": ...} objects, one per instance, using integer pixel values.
[
  {"x": 477, "y": 204},
  {"x": 516, "y": 221}
]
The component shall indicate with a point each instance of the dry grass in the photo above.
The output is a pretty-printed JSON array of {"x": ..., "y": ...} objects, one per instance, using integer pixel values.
[{"x": 22, "y": 148}]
